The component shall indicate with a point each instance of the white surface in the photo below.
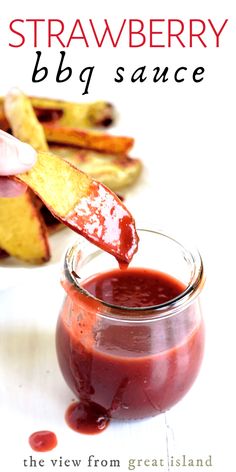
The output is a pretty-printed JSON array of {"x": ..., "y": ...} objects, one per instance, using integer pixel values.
[{"x": 185, "y": 135}]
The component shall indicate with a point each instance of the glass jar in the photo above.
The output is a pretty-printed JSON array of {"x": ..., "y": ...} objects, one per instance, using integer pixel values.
[{"x": 133, "y": 362}]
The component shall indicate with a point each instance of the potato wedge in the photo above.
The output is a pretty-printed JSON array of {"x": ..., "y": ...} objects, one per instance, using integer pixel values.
[
  {"x": 25, "y": 236},
  {"x": 22, "y": 232},
  {"x": 88, "y": 139},
  {"x": 83, "y": 204},
  {"x": 23, "y": 121},
  {"x": 25, "y": 126},
  {"x": 114, "y": 171},
  {"x": 81, "y": 115}
]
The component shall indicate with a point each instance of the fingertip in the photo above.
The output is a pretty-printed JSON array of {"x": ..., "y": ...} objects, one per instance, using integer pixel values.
[
  {"x": 15, "y": 156},
  {"x": 27, "y": 155}
]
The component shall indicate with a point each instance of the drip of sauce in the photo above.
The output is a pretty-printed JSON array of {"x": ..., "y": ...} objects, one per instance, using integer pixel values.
[
  {"x": 104, "y": 220},
  {"x": 43, "y": 441},
  {"x": 87, "y": 418}
]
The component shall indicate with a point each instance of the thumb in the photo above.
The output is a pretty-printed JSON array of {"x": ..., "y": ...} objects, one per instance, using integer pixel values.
[{"x": 15, "y": 156}]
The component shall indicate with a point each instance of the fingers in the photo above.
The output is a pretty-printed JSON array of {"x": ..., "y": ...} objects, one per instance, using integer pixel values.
[
  {"x": 15, "y": 156},
  {"x": 10, "y": 188}
]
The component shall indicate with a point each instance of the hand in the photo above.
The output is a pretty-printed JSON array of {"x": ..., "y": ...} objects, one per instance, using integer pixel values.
[{"x": 15, "y": 157}]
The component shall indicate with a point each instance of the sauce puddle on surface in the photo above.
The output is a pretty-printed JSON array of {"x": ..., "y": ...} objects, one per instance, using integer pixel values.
[
  {"x": 43, "y": 441},
  {"x": 87, "y": 418}
]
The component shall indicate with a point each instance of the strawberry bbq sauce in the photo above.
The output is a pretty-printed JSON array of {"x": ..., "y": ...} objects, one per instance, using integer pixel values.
[
  {"x": 129, "y": 342},
  {"x": 43, "y": 441}
]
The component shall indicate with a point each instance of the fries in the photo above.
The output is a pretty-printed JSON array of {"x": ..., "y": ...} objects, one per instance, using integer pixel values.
[
  {"x": 88, "y": 139},
  {"x": 83, "y": 204},
  {"x": 114, "y": 171},
  {"x": 22, "y": 231},
  {"x": 58, "y": 190},
  {"x": 18, "y": 105},
  {"x": 57, "y": 183},
  {"x": 24, "y": 123},
  {"x": 82, "y": 115}
]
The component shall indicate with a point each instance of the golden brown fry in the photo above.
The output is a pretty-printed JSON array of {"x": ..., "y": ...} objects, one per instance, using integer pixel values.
[
  {"x": 26, "y": 127},
  {"x": 81, "y": 115},
  {"x": 88, "y": 139},
  {"x": 114, "y": 171},
  {"x": 23, "y": 121},
  {"x": 72, "y": 196},
  {"x": 83, "y": 204},
  {"x": 22, "y": 233},
  {"x": 61, "y": 185}
]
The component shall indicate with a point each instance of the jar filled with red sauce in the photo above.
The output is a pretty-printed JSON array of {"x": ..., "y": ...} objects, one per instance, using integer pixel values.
[{"x": 130, "y": 342}]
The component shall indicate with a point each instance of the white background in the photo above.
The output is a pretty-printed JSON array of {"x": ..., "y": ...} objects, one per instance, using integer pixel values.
[{"x": 185, "y": 135}]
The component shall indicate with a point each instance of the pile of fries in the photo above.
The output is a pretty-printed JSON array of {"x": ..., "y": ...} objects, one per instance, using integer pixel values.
[{"x": 66, "y": 130}]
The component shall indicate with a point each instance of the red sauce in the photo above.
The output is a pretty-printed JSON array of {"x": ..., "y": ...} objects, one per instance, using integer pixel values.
[
  {"x": 43, "y": 441},
  {"x": 130, "y": 370},
  {"x": 104, "y": 220},
  {"x": 134, "y": 287}
]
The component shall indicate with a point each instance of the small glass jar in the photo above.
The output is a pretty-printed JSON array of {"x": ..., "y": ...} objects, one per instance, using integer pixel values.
[{"x": 133, "y": 362}]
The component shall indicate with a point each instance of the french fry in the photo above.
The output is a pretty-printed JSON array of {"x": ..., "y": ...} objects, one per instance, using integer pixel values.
[
  {"x": 88, "y": 139},
  {"x": 83, "y": 204},
  {"x": 81, "y": 115},
  {"x": 26, "y": 126},
  {"x": 22, "y": 233},
  {"x": 23, "y": 121},
  {"x": 114, "y": 171},
  {"x": 62, "y": 186}
]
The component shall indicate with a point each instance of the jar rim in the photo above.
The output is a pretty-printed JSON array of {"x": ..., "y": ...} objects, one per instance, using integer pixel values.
[{"x": 163, "y": 310}]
